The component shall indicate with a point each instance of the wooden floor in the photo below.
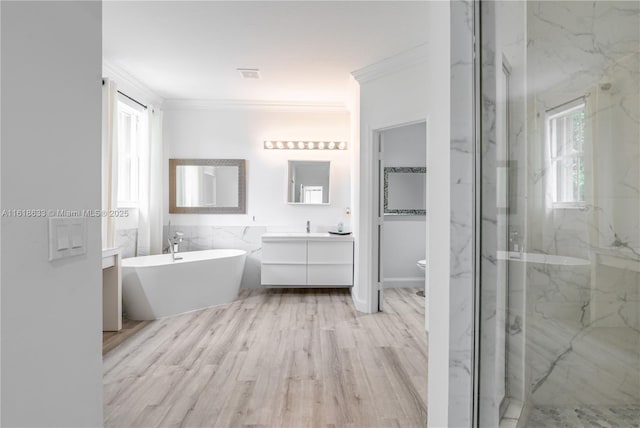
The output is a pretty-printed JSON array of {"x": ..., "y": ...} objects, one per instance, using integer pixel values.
[
  {"x": 111, "y": 339},
  {"x": 274, "y": 358}
]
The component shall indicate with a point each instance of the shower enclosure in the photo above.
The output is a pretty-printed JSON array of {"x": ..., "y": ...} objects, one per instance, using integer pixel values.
[{"x": 559, "y": 209}]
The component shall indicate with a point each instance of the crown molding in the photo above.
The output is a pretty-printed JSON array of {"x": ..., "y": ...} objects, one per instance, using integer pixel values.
[
  {"x": 283, "y": 106},
  {"x": 392, "y": 64},
  {"x": 129, "y": 84}
]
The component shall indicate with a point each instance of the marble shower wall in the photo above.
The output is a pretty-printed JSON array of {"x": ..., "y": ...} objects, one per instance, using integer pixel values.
[
  {"x": 583, "y": 321},
  {"x": 573, "y": 361},
  {"x": 608, "y": 78},
  {"x": 616, "y": 123},
  {"x": 462, "y": 216}
]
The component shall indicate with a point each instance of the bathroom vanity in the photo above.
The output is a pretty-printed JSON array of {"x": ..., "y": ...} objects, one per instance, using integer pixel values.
[
  {"x": 111, "y": 289},
  {"x": 307, "y": 260}
]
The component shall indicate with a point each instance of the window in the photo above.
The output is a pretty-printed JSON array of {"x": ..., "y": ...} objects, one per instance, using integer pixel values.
[
  {"x": 312, "y": 194},
  {"x": 565, "y": 135},
  {"x": 129, "y": 130}
]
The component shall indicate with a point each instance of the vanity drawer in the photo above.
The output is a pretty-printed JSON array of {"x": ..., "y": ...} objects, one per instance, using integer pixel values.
[
  {"x": 284, "y": 252},
  {"x": 330, "y": 274},
  {"x": 282, "y": 274},
  {"x": 326, "y": 252}
]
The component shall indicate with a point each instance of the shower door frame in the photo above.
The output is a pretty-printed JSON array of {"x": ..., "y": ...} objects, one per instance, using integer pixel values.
[{"x": 477, "y": 201}]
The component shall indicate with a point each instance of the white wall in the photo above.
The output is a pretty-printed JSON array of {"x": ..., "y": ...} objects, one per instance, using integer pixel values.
[
  {"x": 403, "y": 245},
  {"x": 51, "y": 312},
  {"x": 238, "y": 133},
  {"x": 393, "y": 99},
  {"x": 403, "y": 236}
]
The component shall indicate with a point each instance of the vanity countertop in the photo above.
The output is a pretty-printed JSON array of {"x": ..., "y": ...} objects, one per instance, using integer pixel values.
[
  {"x": 324, "y": 236},
  {"x": 108, "y": 252}
]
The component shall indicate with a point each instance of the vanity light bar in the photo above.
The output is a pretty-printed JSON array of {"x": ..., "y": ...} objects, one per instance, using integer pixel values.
[{"x": 305, "y": 145}]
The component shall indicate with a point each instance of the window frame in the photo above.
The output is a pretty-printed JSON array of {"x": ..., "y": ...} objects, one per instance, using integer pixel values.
[
  {"x": 124, "y": 105},
  {"x": 551, "y": 115}
]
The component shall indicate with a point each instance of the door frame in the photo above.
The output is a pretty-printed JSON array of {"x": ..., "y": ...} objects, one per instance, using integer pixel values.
[{"x": 376, "y": 271}]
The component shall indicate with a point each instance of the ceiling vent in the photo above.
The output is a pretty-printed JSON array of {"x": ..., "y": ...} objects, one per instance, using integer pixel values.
[{"x": 249, "y": 73}]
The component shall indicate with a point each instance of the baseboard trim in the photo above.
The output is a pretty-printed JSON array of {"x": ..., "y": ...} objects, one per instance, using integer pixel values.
[
  {"x": 404, "y": 282},
  {"x": 361, "y": 305}
]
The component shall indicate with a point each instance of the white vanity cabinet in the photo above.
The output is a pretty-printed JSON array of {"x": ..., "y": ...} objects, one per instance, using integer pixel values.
[
  {"x": 307, "y": 260},
  {"x": 284, "y": 262}
]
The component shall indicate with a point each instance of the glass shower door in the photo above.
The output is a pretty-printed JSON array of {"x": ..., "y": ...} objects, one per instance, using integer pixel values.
[{"x": 559, "y": 291}]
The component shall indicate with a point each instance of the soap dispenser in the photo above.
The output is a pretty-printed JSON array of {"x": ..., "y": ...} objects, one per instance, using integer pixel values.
[{"x": 341, "y": 222}]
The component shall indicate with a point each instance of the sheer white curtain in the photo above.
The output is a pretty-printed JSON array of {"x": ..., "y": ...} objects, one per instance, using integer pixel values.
[
  {"x": 150, "y": 182},
  {"x": 109, "y": 160}
]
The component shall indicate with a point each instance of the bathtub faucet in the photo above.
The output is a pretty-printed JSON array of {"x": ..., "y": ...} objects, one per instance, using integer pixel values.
[
  {"x": 173, "y": 252},
  {"x": 173, "y": 245}
]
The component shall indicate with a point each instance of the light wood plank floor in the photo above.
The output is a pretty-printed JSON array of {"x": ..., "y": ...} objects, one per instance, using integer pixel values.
[
  {"x": 112, "y": 339},
  {"x": 274, "y": 358}
]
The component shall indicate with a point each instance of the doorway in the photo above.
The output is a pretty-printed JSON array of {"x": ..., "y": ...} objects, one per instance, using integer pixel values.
[{"x": 401, "y": 215}]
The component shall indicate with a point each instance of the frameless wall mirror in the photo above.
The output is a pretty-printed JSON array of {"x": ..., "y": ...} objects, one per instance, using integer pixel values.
[
  {"x": 207, "y": 186},
  {"x": 405, "y": 190},
  {"x": 308, "y": 182}
]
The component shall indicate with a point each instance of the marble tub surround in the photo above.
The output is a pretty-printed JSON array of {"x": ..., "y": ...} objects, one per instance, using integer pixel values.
[
  {"x": 247, "y": 238},
  {"x": 127, "y": 240}
]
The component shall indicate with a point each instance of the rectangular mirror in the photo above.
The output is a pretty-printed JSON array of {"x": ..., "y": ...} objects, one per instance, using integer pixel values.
[
  {"x": 308, "y": 182},
  {"x": 207, "y": 186},
  {"x": 405, "y": 190}
]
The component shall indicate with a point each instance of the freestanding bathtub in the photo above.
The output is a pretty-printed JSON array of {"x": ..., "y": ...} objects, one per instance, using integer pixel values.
[{"x": 156, "y": 286}]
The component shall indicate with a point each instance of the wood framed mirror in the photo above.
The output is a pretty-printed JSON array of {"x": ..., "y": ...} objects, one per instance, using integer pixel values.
[{"x": 207, "y": 186}]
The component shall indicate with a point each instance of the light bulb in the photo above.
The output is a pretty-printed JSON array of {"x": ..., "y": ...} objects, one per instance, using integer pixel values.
[
  {"x": 280, "y": 145},
  {"x": 268, "y": 144},
  {"x": 342, "y": 146},
  {"x": 301, "y": 144},
  {"x": 332, "y": 145},
  {"x": 290, "y": 145},
  {"x": 321, "y": 145},
  {"x": 310, "y": 145}
]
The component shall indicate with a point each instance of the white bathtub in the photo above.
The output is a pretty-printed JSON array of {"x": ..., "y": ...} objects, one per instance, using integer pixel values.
[{"x": 156, "y": 286}]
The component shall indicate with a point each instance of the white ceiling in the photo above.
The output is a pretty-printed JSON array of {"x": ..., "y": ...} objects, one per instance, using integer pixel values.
[{"x": 305, "y": 50}]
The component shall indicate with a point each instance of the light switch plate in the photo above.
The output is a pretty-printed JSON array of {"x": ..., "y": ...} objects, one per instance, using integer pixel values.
[
  {"x": 78, "y": 238},
  {"x": 67, "y": 237},
  {"x": 62, "y": 237}
]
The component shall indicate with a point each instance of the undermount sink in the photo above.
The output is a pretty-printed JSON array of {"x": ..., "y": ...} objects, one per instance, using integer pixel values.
[{"x": 298, "y": 234}]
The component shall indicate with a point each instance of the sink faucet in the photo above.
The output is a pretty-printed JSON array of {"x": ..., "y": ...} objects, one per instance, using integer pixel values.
[{"x": 308, "y": 226}]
